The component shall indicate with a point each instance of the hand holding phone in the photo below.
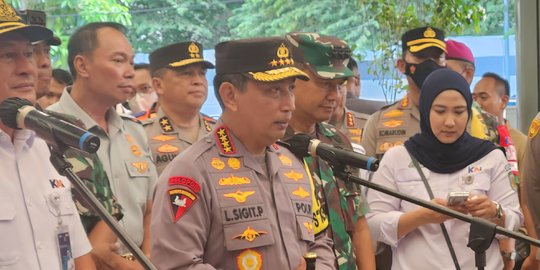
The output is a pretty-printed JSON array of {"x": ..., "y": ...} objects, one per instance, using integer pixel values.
[{"x": 456, "y": 198}]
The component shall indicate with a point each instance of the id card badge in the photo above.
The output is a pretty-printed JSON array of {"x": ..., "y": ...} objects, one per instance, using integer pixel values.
[{"x": 64, "y": 248}]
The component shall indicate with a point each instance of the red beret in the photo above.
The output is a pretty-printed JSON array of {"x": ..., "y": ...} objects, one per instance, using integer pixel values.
[{"x": 458, "y": 51}]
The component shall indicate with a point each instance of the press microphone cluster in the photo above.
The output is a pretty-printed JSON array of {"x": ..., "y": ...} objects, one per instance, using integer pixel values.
[
  {"x": 18, "y": 113},
  {"x": 303, "y": 145}
]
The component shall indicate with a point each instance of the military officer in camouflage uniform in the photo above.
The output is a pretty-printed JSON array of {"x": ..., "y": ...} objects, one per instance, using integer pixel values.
[
  {"x": 423, "y": 52},
  {"x": 179, "y": 78},
  {"x": 234, "y": 199},
  {"x": 324, "y": 59}
]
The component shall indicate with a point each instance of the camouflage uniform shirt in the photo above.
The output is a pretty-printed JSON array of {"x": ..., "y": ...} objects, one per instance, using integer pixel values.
[{"x": 342, "y": 202}]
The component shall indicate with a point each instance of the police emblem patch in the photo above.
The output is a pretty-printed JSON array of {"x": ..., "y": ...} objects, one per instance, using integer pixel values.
[
  {"x": 185, "y": 182},
  {"x": 234, "y": 163},
  {"x": 217, "y": 164},
  {"x": 180, "y": 201},
  {"x": 249, "y": 260},
  {"x": 533, "y": 129}
]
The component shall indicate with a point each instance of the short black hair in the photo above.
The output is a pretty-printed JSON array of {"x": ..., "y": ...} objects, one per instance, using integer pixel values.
[
  {"x": 62, "y": 76},
  {"x": 84, "y": 41},
  {"x": 352, "y": 64},
  {"x": 238, "y": 80},
  {"x": 500, "y": 81},
  {"x": 142, "y": 66}
]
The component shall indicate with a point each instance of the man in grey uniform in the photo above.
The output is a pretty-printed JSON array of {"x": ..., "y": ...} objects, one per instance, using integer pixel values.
[
  {"x": 101, "y": 61},
  {"x": 235, "y": 199},
  {"x": 179, "y": 79}
]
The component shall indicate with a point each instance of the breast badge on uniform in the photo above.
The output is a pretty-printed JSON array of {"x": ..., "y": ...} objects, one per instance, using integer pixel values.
[
  {"x": 233, "y": 181},
  {"x": 393, "y": 113},
  {"x": 167, "y": 148},
  {"x": 141, "y": 167},
  {"x": 234, "y": 163},
  {"x": 309, "y": 227},
  {"x": 533, "y": 129},
  {"x": 217, "y": 164},
  {"x": 294, "y": 175},
  {"x": 249, "y": 234},
  {"x": 300, "y": 192},
  {"x": 393, "y": 123},
  {"x": 180, "y": 201},
  {"x": 163, "y": 138},
  {"x": 249, "y": 260},
  {"x": 285, "y": 160},
  {"x": 239, "y": 196},
  {"x": 133, "y": 146}
]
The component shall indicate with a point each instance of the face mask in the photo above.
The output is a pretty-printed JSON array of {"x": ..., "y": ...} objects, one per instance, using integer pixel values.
[
  {"x": 142, "y": 102},
  {"x": 419, "y": 72}
]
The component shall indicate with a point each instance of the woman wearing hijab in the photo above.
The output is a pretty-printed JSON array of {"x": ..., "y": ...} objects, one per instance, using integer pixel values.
[{"x": 450, "y": 160}]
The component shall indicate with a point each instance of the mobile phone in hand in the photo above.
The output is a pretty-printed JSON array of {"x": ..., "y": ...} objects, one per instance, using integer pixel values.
[{"x": 456, "y": 198}]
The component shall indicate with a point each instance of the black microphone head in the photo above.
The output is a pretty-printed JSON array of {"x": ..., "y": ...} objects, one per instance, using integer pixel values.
[
  {"x": 9, "y": 108},
  {"x": 299, "y": 144}
]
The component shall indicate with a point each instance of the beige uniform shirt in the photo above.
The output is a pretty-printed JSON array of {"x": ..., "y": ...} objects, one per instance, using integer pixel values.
[
  {"x": 352, "y": 125},
  {"x": 165, "y": 139},
  {"x": 530, "y": 174},
  {"x": 219, "y": 207},
  {"x": 125, "y": 156},
  {"x": 390, "y": 126}
]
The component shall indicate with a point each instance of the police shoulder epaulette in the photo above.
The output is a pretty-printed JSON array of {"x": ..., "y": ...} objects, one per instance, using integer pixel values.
[{"x": 208, "y": 118}]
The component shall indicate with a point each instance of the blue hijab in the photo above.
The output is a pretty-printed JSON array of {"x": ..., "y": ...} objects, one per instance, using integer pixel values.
[{"x": 426, "y": 148}]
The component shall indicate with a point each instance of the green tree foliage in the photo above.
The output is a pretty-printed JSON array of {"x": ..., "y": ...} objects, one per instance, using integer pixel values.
[
  {"x": 276, "y": 18},
  {"x": 64, "y": 16},
  {"x": 160, "y": 22}
]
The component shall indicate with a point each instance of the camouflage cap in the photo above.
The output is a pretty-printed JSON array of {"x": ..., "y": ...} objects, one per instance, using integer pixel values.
[
  {"x": 178, "y": 55},
  {"x": 10, "y": 22},
  {"x": 260, "y": 59},
  {"x": 327, "y": 56}
]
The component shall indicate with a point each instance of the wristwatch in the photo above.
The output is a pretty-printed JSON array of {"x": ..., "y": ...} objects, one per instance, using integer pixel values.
[
  {"x": 499, "y": 212},
  {"x": 509, "y": 255}
]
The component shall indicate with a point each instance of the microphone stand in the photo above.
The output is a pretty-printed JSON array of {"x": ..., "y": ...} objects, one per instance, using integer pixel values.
[
  {"x": 65, "y": 168},
  {"x": 481, "y": 233}
]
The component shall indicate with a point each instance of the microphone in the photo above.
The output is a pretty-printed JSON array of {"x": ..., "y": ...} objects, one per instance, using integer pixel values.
[
  {"x": 302, "y": 145},
  {"x": 18, "y": 113}
]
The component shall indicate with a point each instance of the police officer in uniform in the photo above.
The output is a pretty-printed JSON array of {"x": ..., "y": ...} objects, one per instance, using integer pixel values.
[
  {"x": 179, "y": 79},
  {"x": 39, "y": 225},
  {"x": 423, "y": 52},
  {"x": 530, "y": 178},
  {"x": 101, "y": 61},
  {"x": 235, "y": 199},
  {"x": 324, "y": 59},
  {"x": 347, "y": 121}
]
